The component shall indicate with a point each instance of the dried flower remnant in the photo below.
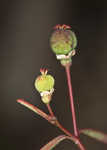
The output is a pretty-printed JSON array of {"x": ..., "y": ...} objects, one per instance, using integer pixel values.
[{"x": 58, "y": 26}]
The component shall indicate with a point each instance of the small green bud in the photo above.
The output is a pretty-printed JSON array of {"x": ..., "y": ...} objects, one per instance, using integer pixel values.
[
  {"x": 46, "y": 96},
  {"x": 63, "y": 40},
  {"x": 44, "y": 82},
  {"x": 46, "y": 99}
]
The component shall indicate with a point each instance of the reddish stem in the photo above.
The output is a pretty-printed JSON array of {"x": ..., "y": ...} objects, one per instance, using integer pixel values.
[
  {"x": 52, "y": 119},
  {"x": 67, "y": 68},
  {"x": 50, "y": 110},
  {"x": 63, "y": 129},
  {"x": 57, "y": 122},
  {"x": 77, "y": 141}
]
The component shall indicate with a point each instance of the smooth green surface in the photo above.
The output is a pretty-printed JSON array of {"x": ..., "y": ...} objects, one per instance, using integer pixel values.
[
  {"x": 98, "y": 135},
  {"x": 44, "y": 83},
  {"x": 74, "y": 39}
]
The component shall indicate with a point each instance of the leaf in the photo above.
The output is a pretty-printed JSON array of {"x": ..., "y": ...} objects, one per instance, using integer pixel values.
[
  {"x": 98, "y": 135},
  {"x": 57, "y": 140},
  {"x": 34, "y": 109},
  {"x": 53, "y": 142}
]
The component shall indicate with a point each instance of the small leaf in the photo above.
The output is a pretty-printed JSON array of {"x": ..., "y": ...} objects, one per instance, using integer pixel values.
[
  {"x": 98, "y": 135},
  {"x": 57, "y": 140},
  {"x": 53, "y": 142},
  {"x": 34, "y": 109}
]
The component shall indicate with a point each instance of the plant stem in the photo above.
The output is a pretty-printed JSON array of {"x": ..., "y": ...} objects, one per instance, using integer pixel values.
[
  {"x": 50, "y": 110},
  {"x": 52, "y": 119},
  {"x": 67, "y": 68},
  {"x": 63, "y": 129},
  {"x": 57, "y": 122}
]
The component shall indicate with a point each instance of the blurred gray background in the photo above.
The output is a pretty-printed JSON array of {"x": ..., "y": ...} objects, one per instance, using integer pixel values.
[{"x": 25, "y": 29}]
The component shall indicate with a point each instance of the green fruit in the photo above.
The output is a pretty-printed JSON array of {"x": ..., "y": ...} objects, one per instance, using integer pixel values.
[
  {"x": 44, "y": 82},
  {"x": 63, "y": 41}
]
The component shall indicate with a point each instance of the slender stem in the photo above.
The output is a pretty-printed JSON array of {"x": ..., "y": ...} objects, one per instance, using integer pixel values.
[
  {"x": 67, "y": 68},
  {"x": 57, "y": 122},
  {"x": 63, "y": 129},
  {"x": 52, "y": 119},
  {"x": 77, "y": 141},
  {"x": 50, "y": 110}
]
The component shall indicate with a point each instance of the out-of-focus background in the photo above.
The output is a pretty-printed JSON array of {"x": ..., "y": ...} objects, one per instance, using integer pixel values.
[{"x": 25, "y": 29}]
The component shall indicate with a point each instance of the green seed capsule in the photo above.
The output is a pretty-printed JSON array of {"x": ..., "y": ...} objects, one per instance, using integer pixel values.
[
  {"x": 44, "y": 82},
  {"x": 63, "y": 40}
]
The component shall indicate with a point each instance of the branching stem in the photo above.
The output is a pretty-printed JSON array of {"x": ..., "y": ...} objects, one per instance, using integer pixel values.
[{"x": 52, "y": 119}]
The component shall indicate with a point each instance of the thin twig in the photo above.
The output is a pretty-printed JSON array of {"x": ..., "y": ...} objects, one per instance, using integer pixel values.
[
  {"x": 67, "y": 68},
  {"x": 50, "y": 110},
  {"x": 52, "y": 120},
  {"x": 57, "y": 122}
]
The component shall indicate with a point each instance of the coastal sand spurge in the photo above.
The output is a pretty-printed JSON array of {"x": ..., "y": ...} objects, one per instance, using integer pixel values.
[{"x": 63, "y": 43}]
